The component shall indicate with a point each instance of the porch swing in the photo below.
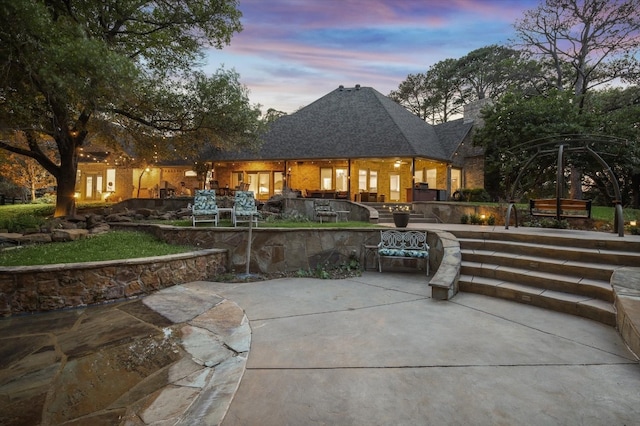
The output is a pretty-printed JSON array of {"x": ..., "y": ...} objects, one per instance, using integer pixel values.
[{"x": 560, "y": 207}]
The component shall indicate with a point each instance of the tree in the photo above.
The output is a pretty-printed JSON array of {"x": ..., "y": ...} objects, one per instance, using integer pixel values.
[
  {"x": 491, "y": 71},
  {"x": 599, "y": 39},
  {"x": 25, "y": 172},
  {"x": 513, "y": 120},
  {"x": 272, "y": 115},
  {"x": 412, "y": 94},
  {"x": 118, "y": 73},
  {"x": 441, "y": 93},
  {"x": 522, "y": 121}
]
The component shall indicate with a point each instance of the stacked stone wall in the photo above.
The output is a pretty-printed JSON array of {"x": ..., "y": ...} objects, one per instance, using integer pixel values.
[{"x": 48, "y": 287}]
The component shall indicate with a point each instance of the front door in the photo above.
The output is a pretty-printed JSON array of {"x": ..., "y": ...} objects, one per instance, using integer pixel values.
[{"x": 93, "y": 187}]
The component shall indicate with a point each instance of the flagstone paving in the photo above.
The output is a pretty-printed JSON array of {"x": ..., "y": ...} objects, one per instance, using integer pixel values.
[{"x": 175, "y": 355}]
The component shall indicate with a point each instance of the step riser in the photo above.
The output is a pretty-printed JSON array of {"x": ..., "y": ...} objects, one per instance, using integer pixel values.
[
  {"x": 621, "y": 244},
  {"x": 567, "y": 285},
  {"x": 558, "y": 253},
  {"x": 599, "y": 272},
  {"x": 562, "y": 273},
  {"x": 578, "y": 309}
]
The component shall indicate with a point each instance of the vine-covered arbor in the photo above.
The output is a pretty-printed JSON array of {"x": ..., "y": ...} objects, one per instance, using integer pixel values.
[{"x": 559, "y": 147}]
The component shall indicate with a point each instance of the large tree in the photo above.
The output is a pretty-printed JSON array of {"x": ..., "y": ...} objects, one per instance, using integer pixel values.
[
  {"x": 596, "y": 41},
  {"x": 515, "y": 124},
  {"x": 117, "y": 71},
  {"x": 587, "y": 43},
  {"x": 439, "y": 94}
]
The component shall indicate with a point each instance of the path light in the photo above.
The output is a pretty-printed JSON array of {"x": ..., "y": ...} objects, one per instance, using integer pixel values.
[{"x": 633, "y": 223}]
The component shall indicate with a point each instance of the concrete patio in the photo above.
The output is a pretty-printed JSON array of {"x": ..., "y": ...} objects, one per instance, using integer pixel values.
[{"x": 372, "y": 350}]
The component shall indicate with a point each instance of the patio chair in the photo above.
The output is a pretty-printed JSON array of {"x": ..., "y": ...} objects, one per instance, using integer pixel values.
[
  {"x": 204, "y": 207},
  {"x": 323, "y": 209},
  {"x": 244, "y": 208}
]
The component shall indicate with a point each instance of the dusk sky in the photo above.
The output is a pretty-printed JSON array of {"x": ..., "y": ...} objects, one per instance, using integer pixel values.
[{"x": 292, "y": 52}]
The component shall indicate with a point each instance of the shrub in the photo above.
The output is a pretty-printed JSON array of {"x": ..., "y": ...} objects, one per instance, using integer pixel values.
[
  {"x": 464, "y": 219},
  {"x": 21, "y": 222},
  {"x": 491, "y": 220},
  {"x": 472, "y": 194},
  {"x": 548, "y": 223},
  {"x": 475, "y": 219}
]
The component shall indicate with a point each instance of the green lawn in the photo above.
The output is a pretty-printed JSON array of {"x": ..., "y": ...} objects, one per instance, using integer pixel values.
[
  {"x": 108, "y": 246},
  {"x": 126, "y": 245}
]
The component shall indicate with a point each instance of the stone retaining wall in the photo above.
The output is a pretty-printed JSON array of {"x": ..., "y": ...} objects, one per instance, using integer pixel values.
[
  {"x": 626, "y": 286},
  {"x": 273, "y": 249},
  {"x": 28, "y": 289},
  {"x": 285, "y": 250},
  {"x": 49, "y": 287}
]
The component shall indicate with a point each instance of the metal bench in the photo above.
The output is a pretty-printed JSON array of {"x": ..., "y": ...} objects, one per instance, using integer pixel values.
[{"x": 403, "y": 244}]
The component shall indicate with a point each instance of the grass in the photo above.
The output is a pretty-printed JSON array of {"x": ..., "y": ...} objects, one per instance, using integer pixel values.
[
  {"x": 278, "y": 224},
  {"x": 112, "y": 245},
  {"x": 126, "y": 245},
  {"x": 597, "y": 212}
]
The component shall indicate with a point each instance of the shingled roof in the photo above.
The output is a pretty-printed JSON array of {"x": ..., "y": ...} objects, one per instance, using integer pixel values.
[{"x": 356, "y": 122}]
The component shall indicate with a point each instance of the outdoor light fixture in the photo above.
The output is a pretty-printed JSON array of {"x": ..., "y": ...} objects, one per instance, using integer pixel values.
[{"x": 633, "y": 223}]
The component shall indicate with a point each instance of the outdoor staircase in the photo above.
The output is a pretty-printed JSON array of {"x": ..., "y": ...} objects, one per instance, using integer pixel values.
[
  {"x": 562, "y": 273},
  {"x": 385, "y": 215}
]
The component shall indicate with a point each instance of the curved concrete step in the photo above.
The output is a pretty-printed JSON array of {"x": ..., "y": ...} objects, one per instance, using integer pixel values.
[
  {"x": 579, "y": 254},
  {"x": 558, "y": 272},
  {"x": 561, "y": 238},
  {"x": 577, "y": 285},
  {"x": 583, "y": 306},
  {"x": 596, "y": 271}
]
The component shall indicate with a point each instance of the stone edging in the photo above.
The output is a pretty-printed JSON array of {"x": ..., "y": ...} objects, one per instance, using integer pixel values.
[
  {"x": 444, "y": 283},
  {"x": 626, "y": 286},
  {"x": 28, "y": 289}
]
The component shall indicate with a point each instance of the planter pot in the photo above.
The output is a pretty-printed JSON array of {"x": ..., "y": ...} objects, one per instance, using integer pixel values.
[{"x": 401, "y": 219}]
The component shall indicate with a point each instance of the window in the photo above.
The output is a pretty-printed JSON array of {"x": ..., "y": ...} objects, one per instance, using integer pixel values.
[
  {"x": 373, "y": 181},
  {"x": 368, "y": 180},
  {"x": 342, "y": 180},
  {"x": 111, "y": 180},
  {"x": 418, "y": 176},
  {"x": 394, "y": 187},
  {"x": 259, "y": 184},
  {"x": 362, "y": 180},
  {"x": 456, "y": 179},
  {"x": 278, "y": 181},
  {"x": 431, "y": 178},
  {"x": 325, "y": 178},
  {"x": 237, "y": 178}
]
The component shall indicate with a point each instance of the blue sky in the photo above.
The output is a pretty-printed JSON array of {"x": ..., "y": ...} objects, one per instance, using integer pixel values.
[{"x": 292, "y": 52}]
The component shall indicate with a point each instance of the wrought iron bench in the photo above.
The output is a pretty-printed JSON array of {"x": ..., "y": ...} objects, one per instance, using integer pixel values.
[{"x": 403, "y": 244}]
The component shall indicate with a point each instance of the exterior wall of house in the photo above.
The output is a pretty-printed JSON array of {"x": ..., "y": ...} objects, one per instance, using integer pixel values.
[
  {"x": 470, "y": 159},
  {"x": 159, "y": 182},
  {"x": 474, "y": 172}
]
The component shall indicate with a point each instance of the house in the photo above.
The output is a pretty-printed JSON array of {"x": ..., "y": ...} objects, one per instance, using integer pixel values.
[{"x": 352, "y": 143}]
